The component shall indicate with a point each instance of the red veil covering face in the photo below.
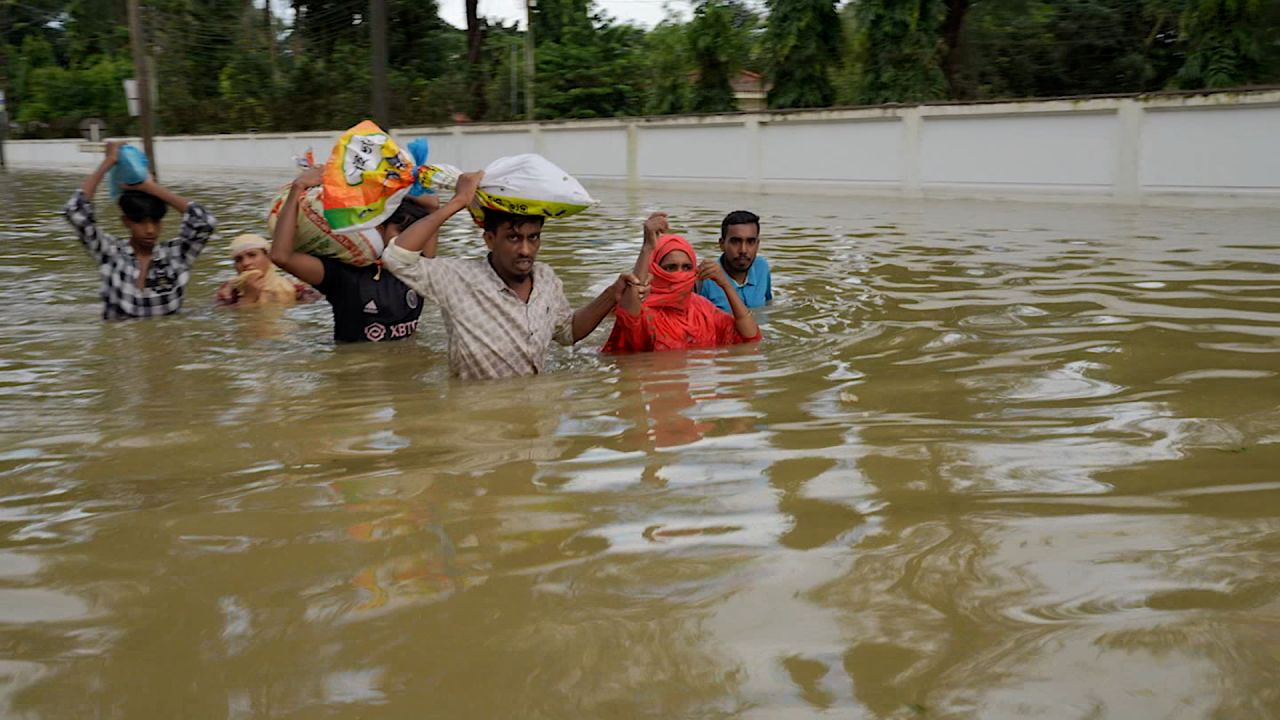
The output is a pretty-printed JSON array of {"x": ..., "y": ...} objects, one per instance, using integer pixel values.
[{"x": 672, "y": 316}]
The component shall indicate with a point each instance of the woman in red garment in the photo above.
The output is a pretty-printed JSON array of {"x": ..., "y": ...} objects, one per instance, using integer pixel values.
[{"x": 672, "y": 316}]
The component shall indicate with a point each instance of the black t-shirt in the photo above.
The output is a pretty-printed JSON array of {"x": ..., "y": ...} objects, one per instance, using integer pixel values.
[{"x": 366, "y": 309}]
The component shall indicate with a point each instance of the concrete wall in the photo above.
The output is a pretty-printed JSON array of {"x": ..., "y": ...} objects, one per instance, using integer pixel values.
[{"x": 1213, "y": 149}]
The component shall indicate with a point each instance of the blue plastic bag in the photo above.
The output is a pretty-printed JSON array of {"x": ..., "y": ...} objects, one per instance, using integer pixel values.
[
  {"x": 131, "y": 168},
  {"x": 419, "y": 149}
]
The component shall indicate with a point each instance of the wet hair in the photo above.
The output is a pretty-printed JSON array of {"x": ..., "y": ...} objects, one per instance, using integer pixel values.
[
  {"x": 493, "y": 220},
  {"x": 138, "y": 206},
  {"x": 738, "y": 217},
  {"x": 407, "y": 214}
]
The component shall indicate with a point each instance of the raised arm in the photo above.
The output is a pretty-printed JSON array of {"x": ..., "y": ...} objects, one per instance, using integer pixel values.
[
  {"x": 79, "y": 209},
  {"x": 109, "y": 156},
  {"x": 423, "y": 236},
  {"x": 742, "y": 317},
  {"x": 632, "y": 294},
  {"x": 654, "y": 227},
  {"x": 302, "y": 266}
]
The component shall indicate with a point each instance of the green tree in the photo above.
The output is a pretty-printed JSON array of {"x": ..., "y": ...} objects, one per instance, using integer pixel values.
[
  {"x": 592, "y": 72},
  {"x": 717, "y": 48},
  {"x": 60, "y": 97},
  {"x": 1225, "y": 43},
  {"x": 587, "y": 65},
  {"x": 668, "y": 66},
  {"x": 247, "y": 84},
  {"x": 553, "y": 19},
  {"x": 504, "y": 48},
  {"x": 1036, "y": 48},
  {"x": 94, "y": 27},
  {"x": 803, "y": 42},
  {"x": 193, "y": 42},
  {"x": 897, "y": 51}
]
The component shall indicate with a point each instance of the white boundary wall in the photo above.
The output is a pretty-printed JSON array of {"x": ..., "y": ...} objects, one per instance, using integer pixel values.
[{"x": 1212, "y": 149}]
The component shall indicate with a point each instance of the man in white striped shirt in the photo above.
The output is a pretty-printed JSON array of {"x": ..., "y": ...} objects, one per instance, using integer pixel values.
[{"x": 500, "y": 312}]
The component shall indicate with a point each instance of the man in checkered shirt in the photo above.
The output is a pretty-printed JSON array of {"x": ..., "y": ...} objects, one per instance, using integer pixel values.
[{"x": 142, "y": 277}]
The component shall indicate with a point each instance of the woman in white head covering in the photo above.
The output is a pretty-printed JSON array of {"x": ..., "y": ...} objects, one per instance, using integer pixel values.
[{"x": 258, "y": 282}]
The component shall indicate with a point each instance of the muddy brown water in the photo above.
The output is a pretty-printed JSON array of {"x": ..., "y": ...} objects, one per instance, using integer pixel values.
[{"x": 991, "y": 461}]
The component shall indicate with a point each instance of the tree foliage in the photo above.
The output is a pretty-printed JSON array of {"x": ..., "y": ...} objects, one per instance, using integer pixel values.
[
  {"x": 228, "y": 66},
  {"x": 668, "y": 68},
  {"x": 592, "y": 72},
  {"x": 717, "y": 50},
  {"x": 803, "y": 40},
  {"x": 1224, "y": 44},
  {"x": 897, "y": 51}
]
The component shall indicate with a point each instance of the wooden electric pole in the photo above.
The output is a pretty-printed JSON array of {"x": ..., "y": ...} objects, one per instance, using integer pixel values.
[
  {"x": 530, "y": 5},
  {"x": 378, "y": 33},
  {"x": 140, "y": 71},
  {"x": 269, "y": 28}
]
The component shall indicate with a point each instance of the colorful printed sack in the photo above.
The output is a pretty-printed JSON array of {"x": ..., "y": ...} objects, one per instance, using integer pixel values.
[{"x": 365, "y": 179}]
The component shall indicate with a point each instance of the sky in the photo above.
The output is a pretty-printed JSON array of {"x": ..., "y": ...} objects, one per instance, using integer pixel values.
[{"x": 645, "y": 13}]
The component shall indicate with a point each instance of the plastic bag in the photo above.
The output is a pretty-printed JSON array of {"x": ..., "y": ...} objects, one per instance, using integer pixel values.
[
  {"x": 365, "y": 179},
  {"x": 419, "y": 150},
  {"x": 526, "y": 184},
  {"x": 131, "y": 168},
  {"x": 316, "y": 237}
]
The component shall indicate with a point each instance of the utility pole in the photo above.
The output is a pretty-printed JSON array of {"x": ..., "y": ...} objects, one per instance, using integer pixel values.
[
  {"x": 140, "y": 71},
  {"x": 530, "y": 6},
  {"x": 4, "y": 109},
  {"x": 378, "y": 31},
  {"x": 4, "y": 128},
  {"x": 271, "y": 35}
]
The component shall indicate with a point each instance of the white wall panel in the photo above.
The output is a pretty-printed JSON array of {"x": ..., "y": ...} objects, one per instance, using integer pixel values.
[
  {"x": 1219, "y": 148},
  {"x": 863, "y": 151},
  {"x": 715, "y": 152},
  {"x": 480, "y": 149},
  {"x": 591, "y": 152},
  {"x": 1222, "y": 149},
  {"x": 1050, "y": 150}
]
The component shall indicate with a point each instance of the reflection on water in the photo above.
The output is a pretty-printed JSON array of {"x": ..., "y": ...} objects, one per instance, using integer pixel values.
[{"x": 991, "y": 460}]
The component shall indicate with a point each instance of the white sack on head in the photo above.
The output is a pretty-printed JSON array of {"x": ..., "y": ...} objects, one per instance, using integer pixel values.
[{"x": 526, "y": 184}]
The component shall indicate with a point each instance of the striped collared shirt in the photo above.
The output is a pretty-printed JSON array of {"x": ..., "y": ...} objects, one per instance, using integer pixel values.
[
  {"x": 170, "y": 269},
  {"x": 492, "y": 332}
]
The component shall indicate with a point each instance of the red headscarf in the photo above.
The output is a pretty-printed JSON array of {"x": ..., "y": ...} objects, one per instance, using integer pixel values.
[
  {"x": 670, "y": 289},
  {"x": 672, "y": 316}
]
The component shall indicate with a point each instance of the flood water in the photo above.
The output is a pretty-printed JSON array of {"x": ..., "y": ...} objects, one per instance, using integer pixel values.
[{"x": 990, "y": 461}]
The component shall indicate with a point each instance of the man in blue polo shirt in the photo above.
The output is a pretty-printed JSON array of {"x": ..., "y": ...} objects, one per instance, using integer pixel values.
[{"x": 739, "y": 243}]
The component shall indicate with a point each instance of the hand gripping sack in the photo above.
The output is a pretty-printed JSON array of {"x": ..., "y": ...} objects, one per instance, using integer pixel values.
[{"x": 521, "y": 185}]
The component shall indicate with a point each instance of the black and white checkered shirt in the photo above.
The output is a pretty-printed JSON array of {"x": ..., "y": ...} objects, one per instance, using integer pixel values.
[{"x": 170, "y": 269}]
